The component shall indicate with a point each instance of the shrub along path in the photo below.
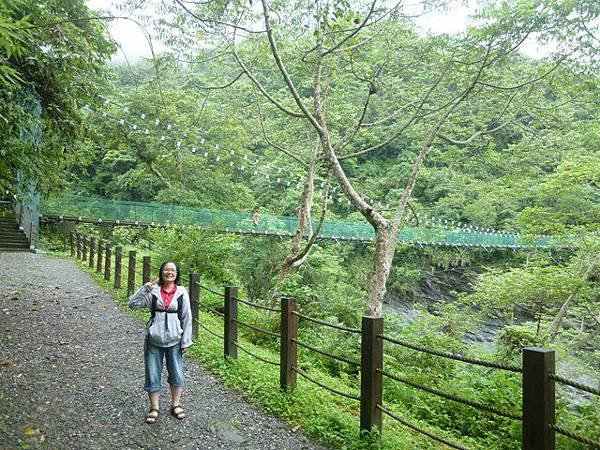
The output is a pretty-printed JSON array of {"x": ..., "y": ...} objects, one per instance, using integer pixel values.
[{"x": 71, "y": 374}]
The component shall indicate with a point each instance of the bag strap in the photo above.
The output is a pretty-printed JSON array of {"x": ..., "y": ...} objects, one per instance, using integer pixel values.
[
  {"x": 180, "y": 309},
  {"x": 153, "y": 308}
]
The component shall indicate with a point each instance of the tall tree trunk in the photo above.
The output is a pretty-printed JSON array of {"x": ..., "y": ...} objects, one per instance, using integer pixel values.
[
  {"x": 382, "y": 264},
  {"x": 304, "y": 220}
]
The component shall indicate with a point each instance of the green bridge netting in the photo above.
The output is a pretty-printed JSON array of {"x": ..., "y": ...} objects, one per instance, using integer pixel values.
[{"x": 77, "y": 207}]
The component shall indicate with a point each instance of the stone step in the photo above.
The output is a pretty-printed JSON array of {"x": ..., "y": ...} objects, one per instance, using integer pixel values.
[
  {"x": 7, "y": 246},
  {"x": 17, "y": 239},
  {"x": 9, "y": 227},
  {"x": 14, "y": 250},
  {"x": 11, "y": 234}
]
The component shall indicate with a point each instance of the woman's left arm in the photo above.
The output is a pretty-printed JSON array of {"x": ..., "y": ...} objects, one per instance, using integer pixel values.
[{"x": 186, "y": 319}]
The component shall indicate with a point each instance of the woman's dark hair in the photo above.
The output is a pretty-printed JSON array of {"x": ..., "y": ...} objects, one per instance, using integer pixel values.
[{"x": 160, "y": 272}]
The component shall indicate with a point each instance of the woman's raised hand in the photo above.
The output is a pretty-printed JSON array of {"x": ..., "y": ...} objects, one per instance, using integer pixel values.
[{"x": 149, "y": 285}]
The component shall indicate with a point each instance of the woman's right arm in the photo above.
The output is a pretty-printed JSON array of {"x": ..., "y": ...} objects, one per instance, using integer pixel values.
[{"x": 141, "y": 298}]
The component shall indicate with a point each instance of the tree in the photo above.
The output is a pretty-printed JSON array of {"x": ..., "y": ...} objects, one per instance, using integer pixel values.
[
  {"x": 416, "y": 93},
  {"x": 51, "y": 57}
]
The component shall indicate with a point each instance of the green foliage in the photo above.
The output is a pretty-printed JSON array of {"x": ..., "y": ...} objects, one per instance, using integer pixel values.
[
  {"x": 49, "y": 61},
  {"x": 209, "y": 254}
]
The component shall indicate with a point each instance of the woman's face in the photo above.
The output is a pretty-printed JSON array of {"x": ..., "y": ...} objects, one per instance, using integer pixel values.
[{"x": 169, "y": 273}]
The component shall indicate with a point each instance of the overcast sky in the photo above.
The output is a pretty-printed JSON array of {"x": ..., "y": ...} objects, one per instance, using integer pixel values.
[{"x": 134, "y": 45}]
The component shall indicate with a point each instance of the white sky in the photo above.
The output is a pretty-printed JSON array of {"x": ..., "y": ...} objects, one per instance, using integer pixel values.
[{"x": 135, "y": 46}]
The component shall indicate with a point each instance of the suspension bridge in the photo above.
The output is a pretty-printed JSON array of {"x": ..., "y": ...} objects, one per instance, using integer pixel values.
[{"x": 129, "y": 213}]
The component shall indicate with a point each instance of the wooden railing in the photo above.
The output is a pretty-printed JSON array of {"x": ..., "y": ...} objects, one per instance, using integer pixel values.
[{"x": 538, "y": 369}]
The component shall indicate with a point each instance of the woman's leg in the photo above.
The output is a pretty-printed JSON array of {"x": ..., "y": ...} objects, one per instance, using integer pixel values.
[
  {"x": 176, "y": 395},
  {"x": 153, "y": 362},
  {"x": 174, "y": 359},
  {"x": 154, "y": 396}
]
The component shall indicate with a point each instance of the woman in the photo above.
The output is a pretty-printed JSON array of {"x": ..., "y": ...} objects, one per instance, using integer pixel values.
[{"x": 168, "y": 335}]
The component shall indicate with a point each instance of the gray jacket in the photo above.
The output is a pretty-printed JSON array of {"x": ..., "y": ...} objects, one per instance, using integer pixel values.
[{"x": 166, "y": 330}]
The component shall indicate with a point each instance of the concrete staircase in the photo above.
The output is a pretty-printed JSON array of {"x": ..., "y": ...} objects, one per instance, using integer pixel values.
[{"x": 11, "y": 238}]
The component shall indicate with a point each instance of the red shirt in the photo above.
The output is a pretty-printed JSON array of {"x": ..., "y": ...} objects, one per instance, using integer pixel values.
[{"x": 167, "y": 297}]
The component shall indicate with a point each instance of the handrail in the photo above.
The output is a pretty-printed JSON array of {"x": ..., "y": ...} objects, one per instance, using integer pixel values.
[
  {"x": 420, "y": 430},
  {"x": 323, "y": 352},
  {"x": 255, "y": 356},
  {"x": 327, "y": 324},
  {"x": 575, "y": 384},
  {"x": 256, "y": 305},
  {"x": 573, "y": 435},
  {"x": 464, "y": 401},
  {"x": 454, "y": 356},
  {"x": 330, "y": 389},
  {"x": 255, "y": 328}
]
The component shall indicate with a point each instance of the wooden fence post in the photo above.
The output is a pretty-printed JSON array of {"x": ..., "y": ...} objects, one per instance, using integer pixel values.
[
  {"x": 84, "y": 252},
  {"x": 92, "y": 254},
  {"x": 146, "y": 269},
  {"x": 194, "y": 302},
  {"x": 371, "y": 364},
  {"x": 288, "y": 347},
  {"x": 107, "y": 256},
  {"x": 538, "y": 399},
  {"x": 118, "y": 268},
  {"x": 72, "y": 244},
  {"x": 230, "y": 322},
  {"x": 131, "y": 273},
  {"x": 79, "y": 246},
  {"x": 99, "y": 258}
]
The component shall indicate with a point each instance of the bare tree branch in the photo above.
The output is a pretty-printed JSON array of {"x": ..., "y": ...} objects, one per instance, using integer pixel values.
[
  {"x": 340, "y": 145},
  {"x": 160, "y": 176},
  {"x": 272, "y": 144},
  {"x": 285, "y": 75},
  {"x": 416, "y": 115},
  {"x": 475, "y": 135},
  {"x": 480, "y": 133},
  {"x": 353, "y": 33},
  {"x": 223, "y": 86},
  {"x": 206, "y": 21},
  {"x": 263, "y": 91},
  {"x": 526, "y": 83},
  {"x": 389, "y": 117},
  {"x": 301, "y": 257}
]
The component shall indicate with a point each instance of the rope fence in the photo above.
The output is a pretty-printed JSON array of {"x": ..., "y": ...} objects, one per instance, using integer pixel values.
[
  {"x": 208, "y": 289},
  {"x": 323, "y": 352},
  {"x": 536, "y": 373},
  {"x": 421, "y": 430},
  {"x": 594, "y": 443},
  {"x": 256, "y": 305},
  {"x": 575, "y": 384},
  {"x": 255, "y": 328},
  {"x": 464, "y": 401},
  {"x": 454, "y": 356},
  {"x": 208, "y": 330},
  {"x": 211, "y": 310},
  {"x": 260, "y": 358},
  {"x": 330, "y": 389},
  {"x": 327, "y": 324}
]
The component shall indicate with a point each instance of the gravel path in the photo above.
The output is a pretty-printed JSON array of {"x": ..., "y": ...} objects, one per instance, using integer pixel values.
[{"x": 71, "y": 374}]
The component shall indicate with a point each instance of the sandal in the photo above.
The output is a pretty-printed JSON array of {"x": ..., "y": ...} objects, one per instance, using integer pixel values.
[
  {"x": 178, "y": 412},
  {"x": 151, "y": 417}
]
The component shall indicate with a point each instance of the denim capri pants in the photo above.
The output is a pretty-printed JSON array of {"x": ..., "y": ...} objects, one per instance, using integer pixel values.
[{"x": 153, "y": 358}]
